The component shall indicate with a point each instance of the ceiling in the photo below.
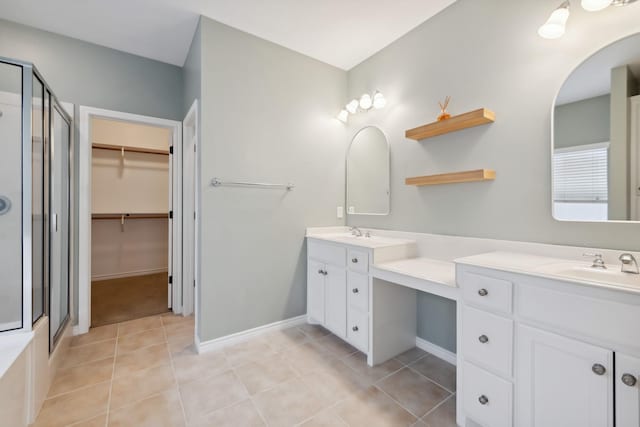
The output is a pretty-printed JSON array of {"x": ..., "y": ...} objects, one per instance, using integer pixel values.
[
  {"x": 593, "y": 77},
  {"x": 338, "y": 32}
]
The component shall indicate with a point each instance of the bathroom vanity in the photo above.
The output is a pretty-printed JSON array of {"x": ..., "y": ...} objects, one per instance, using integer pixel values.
[
  {"x": 542, "y": 340},
  {"x": 545, "y": 344}
]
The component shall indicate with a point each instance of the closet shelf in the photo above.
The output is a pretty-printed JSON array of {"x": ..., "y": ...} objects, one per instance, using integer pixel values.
[
  {"x": 130, "y": 149},
  {"x": 463, "y": 121},
  {"x": 453, "y": 178},
  {"x": 119, "y": 216}
]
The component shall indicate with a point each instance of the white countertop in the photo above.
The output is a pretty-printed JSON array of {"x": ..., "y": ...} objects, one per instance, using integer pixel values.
[
  {"x": 435, "y": 271},
  {"x": 373, "y": 242},
  {"x": 575, "y": 271}
]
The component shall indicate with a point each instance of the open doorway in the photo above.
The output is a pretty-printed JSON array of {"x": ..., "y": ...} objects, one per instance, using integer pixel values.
[
  {"x": 130, "y": 224},
  {"x": 130, "y": 211}
]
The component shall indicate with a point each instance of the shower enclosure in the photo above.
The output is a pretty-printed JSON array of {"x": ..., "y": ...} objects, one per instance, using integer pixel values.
[{"x": 35, "y": 202}]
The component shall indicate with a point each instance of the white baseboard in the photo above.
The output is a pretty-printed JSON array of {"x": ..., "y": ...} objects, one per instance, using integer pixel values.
[
  {"x": 436, "y": 350},
  {"x": 100, "y": 277},
  {"x": 219, "y": 343}
]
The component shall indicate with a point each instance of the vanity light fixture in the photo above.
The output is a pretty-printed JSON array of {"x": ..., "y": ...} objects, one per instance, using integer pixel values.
[
  {"x": 365, "y": 103},
  {"x": 556, "y": 24},
  {"x": 595, "y": 5}
]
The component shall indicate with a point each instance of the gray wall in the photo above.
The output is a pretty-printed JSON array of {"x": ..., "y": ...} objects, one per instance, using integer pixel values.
[
  {"x": 267, "y": 115},
  {"x": 87, "y": 74},
  {"x": 582, "y": 122},
  {"x": 484, "y": 53},
  {"x": 192, "y": 73},
  {"x": 623, "y": 85}
]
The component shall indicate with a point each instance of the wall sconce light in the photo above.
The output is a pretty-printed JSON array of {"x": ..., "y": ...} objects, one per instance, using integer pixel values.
[
  {"x": 556, "y": 24},
  {"x": 365, "y": 103}
]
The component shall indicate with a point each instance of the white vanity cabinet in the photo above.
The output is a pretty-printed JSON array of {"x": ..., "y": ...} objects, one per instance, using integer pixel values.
[
  {"x": 339, "y": 283},
  {"x": 338, "y": 289},
  {"x": 540, "y": 352}
]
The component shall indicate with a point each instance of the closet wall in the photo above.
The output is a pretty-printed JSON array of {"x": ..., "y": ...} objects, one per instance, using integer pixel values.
[{"x": 133, "y": 183}]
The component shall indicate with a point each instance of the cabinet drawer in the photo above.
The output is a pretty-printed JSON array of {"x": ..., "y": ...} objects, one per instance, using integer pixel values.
[
  {"x": 358, "y": 329},
  {"x": 487, "y": 339},
  {"x": 593, "y": 316},
  {"x": 488, "y": 399},
  {"x": 358, "y": 291},
  {"x": 335, "y": 255},
  {"x": 358, "y": 261},
  {"x": 488, "y": 292}
]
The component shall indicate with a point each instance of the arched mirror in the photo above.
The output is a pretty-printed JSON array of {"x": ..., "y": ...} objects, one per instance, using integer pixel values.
[
  {"x": 368, "y": 173},
  {"x": 596, "y": 138}
]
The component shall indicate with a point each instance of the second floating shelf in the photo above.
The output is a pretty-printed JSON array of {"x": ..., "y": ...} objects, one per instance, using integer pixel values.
[
  {"x": 455, "y": 123},
  {"x": 453, "y": 178}
]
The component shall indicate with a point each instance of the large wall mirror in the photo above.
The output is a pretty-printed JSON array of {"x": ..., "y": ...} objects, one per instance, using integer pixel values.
[
  {"x": 368, "y": 173},
  {"x": 596, "y": 138}
]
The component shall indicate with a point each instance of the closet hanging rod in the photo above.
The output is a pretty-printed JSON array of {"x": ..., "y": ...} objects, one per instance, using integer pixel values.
[
  {"x": 129, "y": 149},
  {"x": 130, "y": 216},
  {"x": 216, "y": 182}
]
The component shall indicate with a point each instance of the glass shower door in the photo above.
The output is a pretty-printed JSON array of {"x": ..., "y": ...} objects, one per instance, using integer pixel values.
[
  {"x": 59, "y": 224},
  {"x": 10, "y": 197}
]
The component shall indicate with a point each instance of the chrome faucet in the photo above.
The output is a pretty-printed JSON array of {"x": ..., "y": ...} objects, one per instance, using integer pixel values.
[
  {"x": 628, "y": 260},
  {"x": 598, "y": 262},
  {"x": 356, "y": 231}
]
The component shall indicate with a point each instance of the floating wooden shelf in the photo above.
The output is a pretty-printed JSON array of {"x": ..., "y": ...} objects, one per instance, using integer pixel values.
[
  {"x": 119, "y": 216},
  {"x": 129, "y": 149},
  {"x": 453, "y": 178},
  {"x": 455, "y": 123}
]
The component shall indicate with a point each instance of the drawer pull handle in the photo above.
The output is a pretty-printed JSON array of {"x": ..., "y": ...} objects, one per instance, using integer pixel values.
[
  {"x": 598, "y": 369},
  {"x": 355, "y": 290},
  {"x": 354, "y": 260},
  {"x": 320, "y": 272},
  {"x": 483, "y": 339},
  {"x": 354, "y": 329},
  {"x": 483, "y": 400},
  {"x": 628, "y": 379},
  {"x": 483, "y": 292}
]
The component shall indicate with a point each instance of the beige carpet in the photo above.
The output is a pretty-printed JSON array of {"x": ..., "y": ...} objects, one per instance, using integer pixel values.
[{"x": 118, "y": 300}]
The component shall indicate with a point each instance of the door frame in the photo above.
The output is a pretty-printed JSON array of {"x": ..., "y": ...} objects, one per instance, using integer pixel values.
[
  {"x": 190, "y": 269},
  {"x": 84, "y": 206}
]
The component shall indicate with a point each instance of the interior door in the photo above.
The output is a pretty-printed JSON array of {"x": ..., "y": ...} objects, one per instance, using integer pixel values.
[
  {"x": 336, "y": 300},
  {"x": 189, "y": 218},
  {"x": 562, "y": 382}
]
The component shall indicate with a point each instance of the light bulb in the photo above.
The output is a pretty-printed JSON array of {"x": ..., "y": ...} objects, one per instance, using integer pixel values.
[
  {"x": 352, "y": 107},
  {"x": 343, "y": 116},
  {"x": 365, "y": 101},
  {"x": 556, "y": 24},
  {"x": 379, "y": 101},
  {"x": 595, "y": 5}
]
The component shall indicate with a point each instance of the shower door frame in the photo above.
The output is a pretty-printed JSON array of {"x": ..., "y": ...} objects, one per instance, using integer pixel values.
[{"x": 29, "y": 70}]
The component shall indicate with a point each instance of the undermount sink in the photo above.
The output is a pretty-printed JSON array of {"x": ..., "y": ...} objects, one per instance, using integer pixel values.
[{"x": 577, "y": 271}]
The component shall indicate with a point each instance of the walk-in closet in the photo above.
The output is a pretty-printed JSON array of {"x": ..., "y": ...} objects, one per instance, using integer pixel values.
[{"x": 130, "y": 243}]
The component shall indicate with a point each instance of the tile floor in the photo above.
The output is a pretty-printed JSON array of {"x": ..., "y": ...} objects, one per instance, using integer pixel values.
[{"x": 145, "y": 373}]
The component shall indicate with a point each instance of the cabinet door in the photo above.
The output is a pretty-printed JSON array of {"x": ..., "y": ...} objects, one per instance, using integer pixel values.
[
  {"x": 336, "y": 300},
  {"x": 627, "y": 391},
  {"x": 562, "y": 382},
  {"x": 315, "y": 290}
]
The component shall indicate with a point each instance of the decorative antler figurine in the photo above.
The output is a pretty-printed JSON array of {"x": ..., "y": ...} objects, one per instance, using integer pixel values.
[{"x": 443, "y": 109}]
